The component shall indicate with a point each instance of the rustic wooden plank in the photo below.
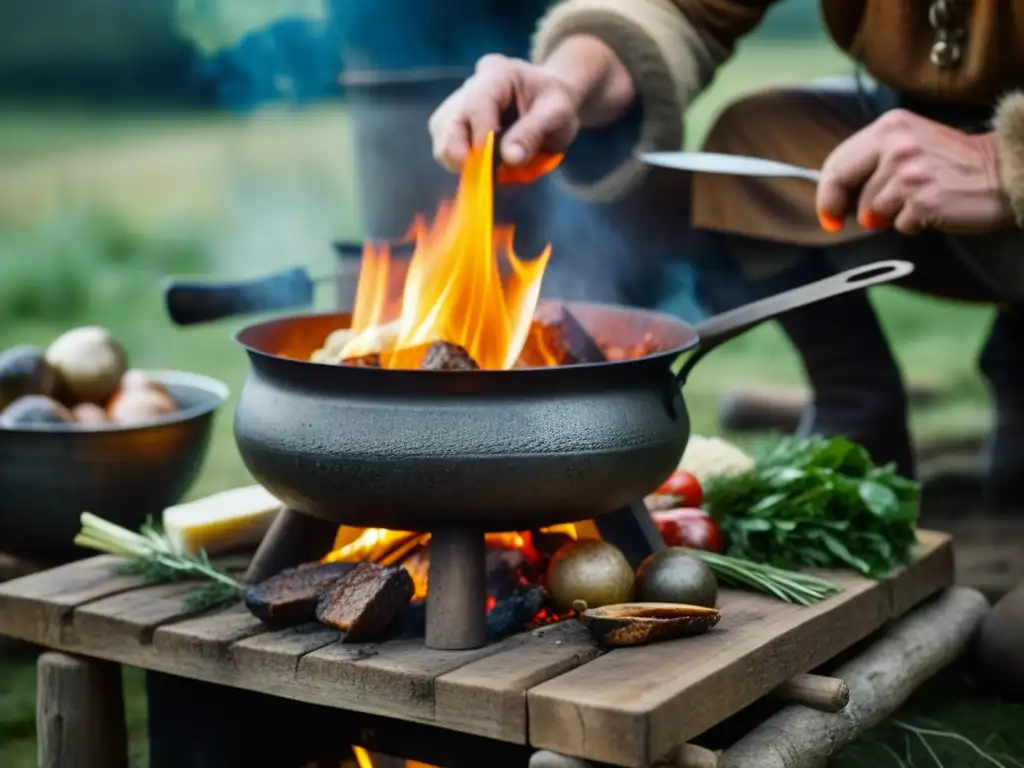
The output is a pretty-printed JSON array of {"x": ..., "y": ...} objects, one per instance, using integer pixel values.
[
  {"x": 127, "y": 620},
  {"x": 632, "y": 706},
  {"x": 394, "y": 679},
  {"x": 933, "y": 571},
  {"x": 206, "y": 638},
  {"x": 35, "y": 607},
  {"x": 278, "y": 653},
  {"x": 488, "y": 697}
]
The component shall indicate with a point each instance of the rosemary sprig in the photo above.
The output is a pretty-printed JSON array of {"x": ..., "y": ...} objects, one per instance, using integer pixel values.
[
  {"x": 791, "y": 586},
  {"x": 150, "y": 555}
]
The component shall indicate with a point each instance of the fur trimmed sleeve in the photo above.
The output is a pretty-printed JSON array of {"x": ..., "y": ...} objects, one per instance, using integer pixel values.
[
  {"x": 1008, "y": 125},
  {"x": 669, "y": 59}
]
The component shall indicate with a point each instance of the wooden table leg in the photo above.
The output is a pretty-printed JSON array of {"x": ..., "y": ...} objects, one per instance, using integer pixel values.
[
  {"x": 79, "y": 713},
  {"x": 293, "y": 539}
]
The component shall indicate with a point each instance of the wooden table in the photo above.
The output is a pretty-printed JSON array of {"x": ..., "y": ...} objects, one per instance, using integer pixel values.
[{"x": 548, "y": 689}]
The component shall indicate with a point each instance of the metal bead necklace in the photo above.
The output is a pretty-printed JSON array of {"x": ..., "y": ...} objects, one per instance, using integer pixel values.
[{"x": 948, "y": 18}]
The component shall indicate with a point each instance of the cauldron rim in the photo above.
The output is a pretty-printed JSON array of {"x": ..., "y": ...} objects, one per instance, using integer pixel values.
[{"x": 689, "y": 340}]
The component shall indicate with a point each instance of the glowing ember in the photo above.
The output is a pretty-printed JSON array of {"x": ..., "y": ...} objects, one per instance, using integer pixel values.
[{"x": 464, "y": 284}]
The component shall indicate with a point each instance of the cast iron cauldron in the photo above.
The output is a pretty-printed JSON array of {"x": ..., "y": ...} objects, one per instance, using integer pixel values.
[
  {"x": 461, "y": 453},
  {"x": 490, "y": 450}
]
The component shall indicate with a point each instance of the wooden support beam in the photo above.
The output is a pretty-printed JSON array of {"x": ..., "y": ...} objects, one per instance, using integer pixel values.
[
  {"x": 880, "y": 679},
  {"x": 79, "y": 713}
]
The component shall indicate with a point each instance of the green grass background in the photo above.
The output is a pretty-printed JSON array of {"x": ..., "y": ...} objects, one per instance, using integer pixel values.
[{"x": 97, "y": 206}]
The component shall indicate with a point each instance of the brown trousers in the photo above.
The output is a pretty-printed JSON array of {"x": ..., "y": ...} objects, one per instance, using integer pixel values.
[{"x": 771, "y": 222}]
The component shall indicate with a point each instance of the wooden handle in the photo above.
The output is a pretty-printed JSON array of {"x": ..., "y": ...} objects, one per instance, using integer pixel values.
[{"x": 825, "y": 694}]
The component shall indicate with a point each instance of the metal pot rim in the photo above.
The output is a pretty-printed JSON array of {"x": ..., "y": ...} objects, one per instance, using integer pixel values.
[
  {"x": 652, "y": 317},
  {"x": 218, "y": 391}
]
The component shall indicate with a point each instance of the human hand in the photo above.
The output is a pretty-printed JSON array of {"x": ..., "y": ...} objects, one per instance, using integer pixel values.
[
  {"x": 547, "y": 106},
  {"x": 910, "y": 173}
]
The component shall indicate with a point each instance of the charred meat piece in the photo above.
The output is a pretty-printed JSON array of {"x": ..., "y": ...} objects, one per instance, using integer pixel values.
[
  {"x": 366, "y": 601},
  {"x": 557, "y": 338},
  {"x": 290, "y": 597},
  {"x": 365, "y": 361},
  {"x": 445, "y": 356}
]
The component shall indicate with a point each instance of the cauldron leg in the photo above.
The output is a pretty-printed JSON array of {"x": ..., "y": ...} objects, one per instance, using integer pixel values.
[
  {"x": 457, "y": 590},
  {"x": 294, "y": 538}
]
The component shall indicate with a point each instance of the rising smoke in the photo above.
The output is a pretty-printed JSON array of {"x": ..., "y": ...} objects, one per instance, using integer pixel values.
[{"x": 294, "y": 53}]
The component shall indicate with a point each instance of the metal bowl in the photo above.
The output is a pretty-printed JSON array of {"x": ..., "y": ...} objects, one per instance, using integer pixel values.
[{"x": 50, "y": 474}]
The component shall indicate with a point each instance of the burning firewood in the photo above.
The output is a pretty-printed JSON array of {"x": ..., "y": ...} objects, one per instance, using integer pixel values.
[
  {"x": 365, "y": 361},
  {"x": 372, "y": 342},
  {"x": 333, "y": 346},
  {"x": 557, "y": 338},
  {"x": 648, "y": 345},
  {"x": 366, "y": 601},
  {"x": 445, "y": 356},
  {"x": 290, "y": 597}
]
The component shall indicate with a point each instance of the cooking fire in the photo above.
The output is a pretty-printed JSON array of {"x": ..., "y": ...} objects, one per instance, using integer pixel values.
[
  {"x": 515, "y": 567},
  {"x": 466, "y": 301}
]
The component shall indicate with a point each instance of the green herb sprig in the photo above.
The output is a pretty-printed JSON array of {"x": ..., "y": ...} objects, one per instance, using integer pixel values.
[
  {"x": 818, "y": 502},
  {"x": 790, "y": 586},
  {"x": 151, "y": 555}
]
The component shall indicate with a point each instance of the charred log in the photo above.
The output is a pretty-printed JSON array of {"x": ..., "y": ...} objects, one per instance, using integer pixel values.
[
  {"x": 290, "y": 597},
  {"x": 366, "y": 601},
  {"x": 445, "y": 356},
  {"x": 515, "y": 613},
  {"x": 557, "y": 338}
]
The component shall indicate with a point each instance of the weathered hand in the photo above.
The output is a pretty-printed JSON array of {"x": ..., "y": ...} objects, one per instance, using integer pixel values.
[
  {"x": 910, "y": 173},
  {"x": 547, "y": 122}
]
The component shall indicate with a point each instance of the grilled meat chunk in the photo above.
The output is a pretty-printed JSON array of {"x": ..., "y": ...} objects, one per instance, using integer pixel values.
[
  {"x": 290, "y": 597},
  {"x": 365, "y": 601}
]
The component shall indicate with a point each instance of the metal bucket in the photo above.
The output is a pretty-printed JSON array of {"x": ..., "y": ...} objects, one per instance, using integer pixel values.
[{"x": 611, "y": 252}]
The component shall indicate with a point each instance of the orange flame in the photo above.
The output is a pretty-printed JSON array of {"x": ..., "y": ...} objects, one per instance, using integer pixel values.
[
  {"x": 363, "y": 760},
  {"x": 387, "y": 547},
  {"x": 464, "y": 284},
  {"x": 541, "y": 165}
]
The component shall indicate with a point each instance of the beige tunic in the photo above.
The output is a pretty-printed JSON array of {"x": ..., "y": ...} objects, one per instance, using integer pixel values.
[{"x": 672, "y": 48}]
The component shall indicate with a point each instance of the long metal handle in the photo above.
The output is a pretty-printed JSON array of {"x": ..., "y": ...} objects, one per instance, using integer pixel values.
[
  {"x": 718, "y": 329},
  {"x": 190, "y": 302}
]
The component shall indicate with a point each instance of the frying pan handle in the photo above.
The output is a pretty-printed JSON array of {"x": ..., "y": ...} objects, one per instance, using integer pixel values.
[
  {"x": 718, "y": 329},
  {"x": 190, "y": 302}
]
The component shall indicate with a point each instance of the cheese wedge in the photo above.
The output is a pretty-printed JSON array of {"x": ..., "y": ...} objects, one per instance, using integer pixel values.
[{"x": 223, "y": 522}]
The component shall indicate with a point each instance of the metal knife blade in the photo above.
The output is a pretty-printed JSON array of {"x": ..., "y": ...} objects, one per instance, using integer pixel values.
[{"x": 732, "y": 165}]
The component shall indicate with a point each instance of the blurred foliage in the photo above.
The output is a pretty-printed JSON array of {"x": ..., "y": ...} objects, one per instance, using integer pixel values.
[
  {"x": 76, "y": 258},
  {"x": 184, "y": 51},
  {"x": 215, "y": 24}
]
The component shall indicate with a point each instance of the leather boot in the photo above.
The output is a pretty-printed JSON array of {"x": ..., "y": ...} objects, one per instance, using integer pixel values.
[
  {"x": 1002, "y": 365},
  {"x": 858, "y": 390},
  {"x": 857, "y": 386}
]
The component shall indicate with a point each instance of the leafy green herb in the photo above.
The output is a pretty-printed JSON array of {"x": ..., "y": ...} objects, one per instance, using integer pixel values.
[
  {"x": 818, "y": 502},
  {"x": 152, "y": 556}
]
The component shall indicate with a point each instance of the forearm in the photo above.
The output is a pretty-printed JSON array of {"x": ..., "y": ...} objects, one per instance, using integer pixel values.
[
  {"x": 620, "y": 53},
  {"x": 601, "y": 83}
]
